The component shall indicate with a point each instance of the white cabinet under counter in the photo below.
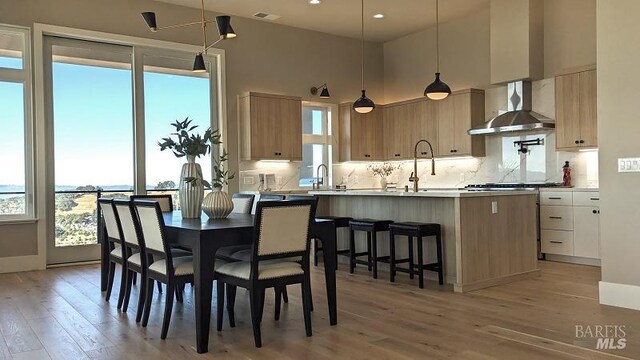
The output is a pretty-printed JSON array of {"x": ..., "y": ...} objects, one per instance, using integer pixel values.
[{"x": 570, "y": 225}]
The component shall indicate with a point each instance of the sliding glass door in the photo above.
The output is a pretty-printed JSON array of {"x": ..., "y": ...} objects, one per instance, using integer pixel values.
[{"x": 108, "y": 106}]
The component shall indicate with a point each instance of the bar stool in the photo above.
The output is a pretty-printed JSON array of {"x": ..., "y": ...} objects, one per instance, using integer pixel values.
[
  {"x": 418, "y": 230},
  {"x": 371, "y": 227},
  {"x": 340, "y": 222}
]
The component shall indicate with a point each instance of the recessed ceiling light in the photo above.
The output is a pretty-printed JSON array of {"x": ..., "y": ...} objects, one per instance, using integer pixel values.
[
  {"x": 314, "y": 2},
  {"x": 378, "y": 16}
]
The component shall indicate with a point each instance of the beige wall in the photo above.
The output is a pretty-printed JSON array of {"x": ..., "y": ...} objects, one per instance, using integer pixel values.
[
  {"x": 569, "y": 35},
  {"x": 18, "y": 240},
  {"x": 410, "y": 61},
  {"x": 618, "y": 127}
]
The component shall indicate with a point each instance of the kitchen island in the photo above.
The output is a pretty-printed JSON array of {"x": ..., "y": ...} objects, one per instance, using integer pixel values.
[{"x": 489, "y": 237}]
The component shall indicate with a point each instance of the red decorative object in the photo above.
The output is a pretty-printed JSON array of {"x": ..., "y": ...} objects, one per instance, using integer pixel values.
[{"x": 566, "y": 175}]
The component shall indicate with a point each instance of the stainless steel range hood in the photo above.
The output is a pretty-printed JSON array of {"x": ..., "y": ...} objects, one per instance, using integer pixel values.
[{"x": 519, "y": 116}]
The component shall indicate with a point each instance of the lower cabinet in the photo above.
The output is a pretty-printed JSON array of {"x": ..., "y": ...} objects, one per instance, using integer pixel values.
[{"x": 587, "y": 231}]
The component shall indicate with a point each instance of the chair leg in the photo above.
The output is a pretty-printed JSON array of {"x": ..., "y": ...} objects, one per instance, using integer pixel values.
[
  {"x": 440, "y": 262},
  {"x": 220, "y": 303},
  {"x": 374, "y": 253},
  {"x": 306, "y": 304},
  {"x": 369, "y": 263},
  {"x": 392, "y": 256},
  {"x": 255, "y": 319},
  {"x": 411, "y": 264},
  {"x": 147, "y": 302},
  {"x": 278, "y": 300},
  {"x": 261, "y": 309},
  {"x": 420, "y": 263},
  {"x": 179, "y": 291},
  {"x": 127, "y": 290},
  {"x": 112, "y": 270},
  {"x": 231, "y": 300},
  {"x": 285, "y": 295},
  {"x": 141, "y": 296},
  {"x": 135, "y": 278},
  {"x": 308, "y": 279},
  {"x": 315, "y": 252},
  {"x": 352, "y": 251},
  {"x": 168, "y": 307},
  {"x": 123, "y": 284},
  {"x": 159, "y": 287}
]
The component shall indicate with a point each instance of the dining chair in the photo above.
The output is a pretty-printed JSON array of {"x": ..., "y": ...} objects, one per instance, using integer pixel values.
[
  {"x": 116, "y": 250},
  {"x": 165, "y": 200},
  {"x": 242, "y": 203},
  {"x": 280, "y": 236},
  {"x": 163, "y": 266}
]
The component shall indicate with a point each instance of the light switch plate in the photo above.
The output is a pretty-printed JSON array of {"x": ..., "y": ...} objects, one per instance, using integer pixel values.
[
  {"x": 629, "y": 165},
  {"x": 249, "y": 180},
  {"x": 494, "y": 207}
]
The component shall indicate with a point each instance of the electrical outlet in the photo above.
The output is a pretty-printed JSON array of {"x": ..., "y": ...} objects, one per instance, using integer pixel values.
[
  {"x": 494, "y": 207},
  {"x": 249, "y": 180}
]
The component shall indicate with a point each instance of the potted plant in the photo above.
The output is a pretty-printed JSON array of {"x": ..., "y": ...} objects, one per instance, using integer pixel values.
[
  {"x": 184, "y": 143},
  {"x": 383, "y": 170}
]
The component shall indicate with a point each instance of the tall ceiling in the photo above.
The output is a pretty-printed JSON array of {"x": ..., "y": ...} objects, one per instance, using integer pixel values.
[{"x": 342, "y": 17}]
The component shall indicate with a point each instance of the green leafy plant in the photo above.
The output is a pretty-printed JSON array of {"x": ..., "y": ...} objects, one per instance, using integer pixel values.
[{"x": 190, "y": 144}]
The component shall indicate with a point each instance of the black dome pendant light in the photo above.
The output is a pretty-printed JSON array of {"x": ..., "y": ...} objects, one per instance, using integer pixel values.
[
  {"x": 437, "y": 90},
  {"x": 363, "y": 105}
]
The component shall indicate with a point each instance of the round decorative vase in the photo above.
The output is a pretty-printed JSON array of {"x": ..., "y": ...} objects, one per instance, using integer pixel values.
[
  {"x": 191, "y": 194},
  {"x": 383, "y": 182},
  {"x": 217, "y": 204}
]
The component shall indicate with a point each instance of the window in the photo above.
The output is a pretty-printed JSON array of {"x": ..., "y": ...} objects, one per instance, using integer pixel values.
[
  {"x": 15, "y": 121},
  {"x": 316, "y": 144}
]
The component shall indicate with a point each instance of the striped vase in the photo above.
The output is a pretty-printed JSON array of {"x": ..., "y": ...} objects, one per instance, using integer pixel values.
[
  {"x": 191, "y": 194},
  {"x": 217, "y": 204}
]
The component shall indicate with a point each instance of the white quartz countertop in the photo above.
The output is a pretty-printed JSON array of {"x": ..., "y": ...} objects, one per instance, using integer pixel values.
[
  {"x": 435, "y": 193},
  {"x": 573, "y": 189}
]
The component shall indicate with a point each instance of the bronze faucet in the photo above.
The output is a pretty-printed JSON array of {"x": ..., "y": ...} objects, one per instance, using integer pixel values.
[{"x": 414, "y": 175}]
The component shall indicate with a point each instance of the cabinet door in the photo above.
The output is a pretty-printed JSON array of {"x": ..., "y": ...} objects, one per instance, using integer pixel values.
[
  {"x": 426, "y": 119},
  {"x": 461, "y": 123},
  {"x": 266, "y": 138},
  {"x": 398, "y": 127},
  {"x": 586, "y": 241},
  {"x": 290, "y": 129},
  {"x": 446, "y": 126},
  {"x": 344, "y": 119},
  {"x": 567, "y": 111},
  {"x": 366, "y": 136},
  {"x": 588, "y": 109}
]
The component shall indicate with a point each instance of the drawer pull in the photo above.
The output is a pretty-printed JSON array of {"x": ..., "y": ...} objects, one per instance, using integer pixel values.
[
  {"x": 555, "y": 198},
  {"x": 595, "y": 199},
  {"x": 555, "y": 242},
  {"x": 555, "y": 217}
]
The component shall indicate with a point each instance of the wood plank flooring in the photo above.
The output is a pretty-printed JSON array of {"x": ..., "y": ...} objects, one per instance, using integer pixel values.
[{"x": 61, "y": 314}]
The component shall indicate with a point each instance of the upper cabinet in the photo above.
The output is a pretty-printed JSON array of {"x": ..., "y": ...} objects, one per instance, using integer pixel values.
[
  {"x": 456, "y": 114},
  {"x": 576, "y": 114},
  {"x": 270, "y": 127},
  {"x": 361, "y": 136},
  {"x": 407, "y": 122}
]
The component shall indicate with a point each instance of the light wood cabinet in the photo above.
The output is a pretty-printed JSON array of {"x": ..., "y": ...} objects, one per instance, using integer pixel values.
[
  {"x": 576, "y": 112},
  {"x": 586, "y": 231},
  {"x": 270, "y": 127},
  {"x": 456, "y": 114},
  {"x": 361, "y": 135}
]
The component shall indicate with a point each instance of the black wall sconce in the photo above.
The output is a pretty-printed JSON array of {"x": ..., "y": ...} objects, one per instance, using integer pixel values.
[{"x": 324, "y": 94}]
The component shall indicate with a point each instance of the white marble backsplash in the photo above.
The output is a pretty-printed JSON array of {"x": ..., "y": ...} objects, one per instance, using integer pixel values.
[{"x": 502, "y": 164}]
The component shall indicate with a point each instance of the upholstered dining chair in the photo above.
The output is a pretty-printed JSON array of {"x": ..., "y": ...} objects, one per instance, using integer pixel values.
[
  {"x": 116, "y": 250},
  {"x": 281, "y": 235},
  {"x": 242, "y": 203},
  {"x": 165, "y": 200},
  {"x": 163, "y": 266}
]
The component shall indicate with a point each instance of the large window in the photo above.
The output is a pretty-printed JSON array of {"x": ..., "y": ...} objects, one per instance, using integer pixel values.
[
  {"x": 316, "y": 144},
  {"x": 15, "y": 131}
]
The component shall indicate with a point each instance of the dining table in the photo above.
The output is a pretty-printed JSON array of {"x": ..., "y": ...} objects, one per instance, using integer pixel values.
[{"x": 204, "y": 236}]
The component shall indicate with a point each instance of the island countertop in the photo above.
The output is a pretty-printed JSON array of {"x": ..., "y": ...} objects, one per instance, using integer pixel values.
[{"x": 428, "y": 193}]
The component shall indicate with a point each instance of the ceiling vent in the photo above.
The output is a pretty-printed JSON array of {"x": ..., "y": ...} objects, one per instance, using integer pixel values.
[{"x": 265, "y": 16}]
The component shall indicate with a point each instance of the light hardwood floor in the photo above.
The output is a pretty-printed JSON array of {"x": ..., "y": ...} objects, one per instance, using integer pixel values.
[{"x": 60, "y": 314}]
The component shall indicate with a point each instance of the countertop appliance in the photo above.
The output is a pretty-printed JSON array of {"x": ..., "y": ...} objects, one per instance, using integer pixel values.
[{"x": 533, "y": 186}]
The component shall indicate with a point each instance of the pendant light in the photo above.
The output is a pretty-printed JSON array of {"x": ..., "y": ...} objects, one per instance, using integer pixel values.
[
  {"x": 437, "y": 90},
  {"x": 363, "y": 105}
]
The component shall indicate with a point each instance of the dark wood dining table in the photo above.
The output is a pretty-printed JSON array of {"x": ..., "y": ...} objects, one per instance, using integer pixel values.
[{"x": 205, "y": 236}]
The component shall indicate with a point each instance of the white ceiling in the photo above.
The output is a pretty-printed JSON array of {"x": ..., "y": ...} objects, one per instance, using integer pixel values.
[{"x": 342, "y": 17}]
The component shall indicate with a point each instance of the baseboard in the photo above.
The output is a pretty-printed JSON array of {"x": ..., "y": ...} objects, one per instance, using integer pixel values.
[
  {"x": 620, "y": 295},
  {"x": 21, "y": 263},
  {"x": 573, "y": 260}
]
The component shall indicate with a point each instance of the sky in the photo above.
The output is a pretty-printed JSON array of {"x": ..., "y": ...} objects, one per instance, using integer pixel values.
[{"x": 93, "y": 124}]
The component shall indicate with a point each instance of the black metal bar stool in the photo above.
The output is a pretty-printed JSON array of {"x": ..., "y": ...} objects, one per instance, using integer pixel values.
[
  {"x": 341, "y": 222},
  {"x": 371, "y": 227},
  {"x": 418, "y": 230}
]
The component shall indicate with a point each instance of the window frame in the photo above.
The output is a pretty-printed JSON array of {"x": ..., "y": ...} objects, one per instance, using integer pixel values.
[
  {"x": 326, "y": 139},
  {"x": 23, "y": 76}
]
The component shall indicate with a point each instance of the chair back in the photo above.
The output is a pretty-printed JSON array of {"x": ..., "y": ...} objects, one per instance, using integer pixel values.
[
  {"x": 109, "y": 218},
  {"x": 128, "y": 223},
  {"x": 151, "y": 226},
  {"x": 282, "y": 230},
  {"x": 314, "y": 202},
  {"x": 242, "y": 203},
  {"x": 165, "y": 201}
]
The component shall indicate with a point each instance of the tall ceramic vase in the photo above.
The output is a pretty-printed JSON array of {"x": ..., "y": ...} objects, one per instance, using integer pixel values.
[
  {"x": 191, "y": 194},
  {"x": 217, "y": 204}
]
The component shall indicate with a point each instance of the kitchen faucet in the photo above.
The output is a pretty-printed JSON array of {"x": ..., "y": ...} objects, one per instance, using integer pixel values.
[
  {"x": 320, "y": 180},
  {"x": 414, "y": 175}
]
